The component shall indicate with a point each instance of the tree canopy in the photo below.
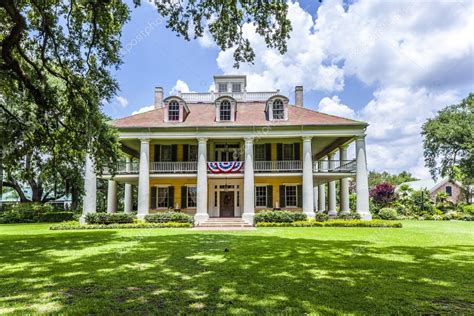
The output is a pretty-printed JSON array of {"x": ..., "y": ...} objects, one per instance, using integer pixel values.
[
  {"x": 393, "y": 179},
  {"x": 448, "y": 141}
]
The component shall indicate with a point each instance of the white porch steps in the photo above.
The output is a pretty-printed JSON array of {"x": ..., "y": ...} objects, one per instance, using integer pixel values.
[{"x": 224, "y": 222}]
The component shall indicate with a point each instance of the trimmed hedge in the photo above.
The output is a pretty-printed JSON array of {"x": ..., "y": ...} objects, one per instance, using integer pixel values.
[
  {"x": 388, "y": 213},
  {"x": 349, "y": 216},
  {"x": 120, "y": 226},
  {"x": 33, "y": 213},
  {"x": 334, "y": 223},
  {"x": 109, "y": 218},
  {"x": 279, "y": 217},
  {"x": 167, "y": 217}
]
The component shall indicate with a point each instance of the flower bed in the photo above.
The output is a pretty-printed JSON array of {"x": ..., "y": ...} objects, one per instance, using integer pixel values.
[
  {"x": 70, "y": 226},
  {"x": 334, "y": 223}
]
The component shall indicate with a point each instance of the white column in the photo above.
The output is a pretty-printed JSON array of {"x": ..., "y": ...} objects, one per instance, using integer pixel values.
[
  {"x": 344, "y": 184},
  {"x": 144, "y": 179},
  {"x": 127, "y": 198},
  {"x": 308, "y": 206},
  {"x": 315, "y": 198},
  {"x": 202, "y": 214},
  {"x": 322, "y": 198},
  {"x": 332, "y": 189},
  {"x": 111, "y": 196},
  {"x": 249, "y": 187},
  {"x": 89, "y": 204},
  {"x": 362, "y": 182}
]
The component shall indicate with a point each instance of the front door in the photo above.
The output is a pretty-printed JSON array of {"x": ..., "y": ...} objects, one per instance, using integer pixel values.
[{"x": 226, "y": 205}]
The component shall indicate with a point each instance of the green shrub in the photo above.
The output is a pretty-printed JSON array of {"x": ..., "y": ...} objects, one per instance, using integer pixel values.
[
  {"x": 119, "y": 226},
  {"x": 33, "y": 213},
  {"x": 468, "y": 209},
  {"x": 321, "y": 217},
  {"x": 52, "y": 217},
  {"x": 388, "y": 213},
  {"x": 333, "y": 223},
  {"x": 109, "y": 218},
  {"x": 170, "y": 216},
  {"x": 349, "y": 216},
  {"x": 279, "y": 217}
]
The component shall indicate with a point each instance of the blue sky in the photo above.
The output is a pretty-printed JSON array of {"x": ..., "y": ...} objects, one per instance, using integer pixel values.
[{"x": 391, "y": 63}]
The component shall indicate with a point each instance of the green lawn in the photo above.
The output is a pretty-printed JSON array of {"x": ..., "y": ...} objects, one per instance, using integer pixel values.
[{"x": 425, "y": 267}]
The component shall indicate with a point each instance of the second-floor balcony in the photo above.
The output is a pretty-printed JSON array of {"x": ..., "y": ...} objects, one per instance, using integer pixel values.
[{"x": 282, "y": 166}]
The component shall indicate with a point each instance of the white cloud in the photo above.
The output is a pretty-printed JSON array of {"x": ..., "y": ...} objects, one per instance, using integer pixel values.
[
  {"x": 144, "y": 109},
  {"x": 121, "y": 101},
  {"x": 335, "y": 107},
  {"x": 180, "y": 86},
  {"x": 416, "y": 55}
]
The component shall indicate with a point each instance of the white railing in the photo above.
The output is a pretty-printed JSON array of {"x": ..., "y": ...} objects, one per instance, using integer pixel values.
[
  {"x": 278, "y": 166},
  {"x": 125, "y": 168},
  {"x": 173, "y": 167},
  {"x": 240, "y": 96},
  {"x": 334, "y": 166}
]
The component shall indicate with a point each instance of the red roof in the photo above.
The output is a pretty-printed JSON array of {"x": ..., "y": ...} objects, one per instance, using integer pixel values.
[{"x": 248, "y": 114}]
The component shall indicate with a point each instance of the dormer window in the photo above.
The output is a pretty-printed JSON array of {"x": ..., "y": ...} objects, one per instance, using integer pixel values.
[
  {"x": 173, "y": 111},
  {"x": 278, "y": 110},
  {"x": 222, "y": 87},
  {"x": 236, "y": 87},
  {"x": 225, "y": 111}
]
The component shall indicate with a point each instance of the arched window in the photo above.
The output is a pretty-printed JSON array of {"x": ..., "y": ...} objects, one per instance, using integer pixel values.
[
  {"x": 278, "y": 111},
  {"x": 173, "y": 111},
  {"x": 224, "y": 113}
]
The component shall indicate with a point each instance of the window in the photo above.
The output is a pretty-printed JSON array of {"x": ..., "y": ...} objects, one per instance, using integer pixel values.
[
  {"x": 191, "y": 198},
  {"x": 236, "y": 87},
  {"x": 162, "y": 197},
  {"x": 288, "y": 152},
  {"x": 166, "y": 153},
  {"x": 449, "y": 190},
  {"x": 278, "y": 112},
  {"x": 173, "y": 111},
  {"x": 259, "y": 152},
  {"x": 193, "y": 152},
  {"x": 222, "y": 87},
  {"x": 225, "y": 111},
  {"x": 291, "y": 195},
  {"x": 261, "y": 196}
]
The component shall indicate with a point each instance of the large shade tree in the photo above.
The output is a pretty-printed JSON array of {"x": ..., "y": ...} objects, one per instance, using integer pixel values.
[{"x": 55, "y": 70}]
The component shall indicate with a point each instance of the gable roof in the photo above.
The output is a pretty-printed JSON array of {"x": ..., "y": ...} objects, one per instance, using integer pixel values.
[
  {"x": 248, "y": 114},
  {"x": 429, "y": 184}
]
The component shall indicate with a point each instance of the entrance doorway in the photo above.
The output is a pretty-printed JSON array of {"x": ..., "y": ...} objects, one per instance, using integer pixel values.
[{"x": 226, "y": 204}]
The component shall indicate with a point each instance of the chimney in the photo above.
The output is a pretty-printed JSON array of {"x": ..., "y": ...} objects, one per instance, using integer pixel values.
[
  {"x": 158, "y": 97},
  {"x": 299, "y": 96}
]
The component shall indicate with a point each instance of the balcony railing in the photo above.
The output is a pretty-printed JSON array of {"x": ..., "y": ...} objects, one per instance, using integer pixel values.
[
  {"x": 240, "y": 96},
  {"x": 126, "y": 167},
  {"x": 174, "y": 167},
  {"x": 344, "y": 166},
  {"x": 278, "y": 166}
]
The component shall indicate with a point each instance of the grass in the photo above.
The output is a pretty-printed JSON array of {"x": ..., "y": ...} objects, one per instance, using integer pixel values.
[{"x": 424, "y": 267}]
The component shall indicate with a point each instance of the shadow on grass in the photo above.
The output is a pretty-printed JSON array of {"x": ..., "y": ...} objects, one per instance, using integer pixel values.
[{"x": 104, "y": 272}]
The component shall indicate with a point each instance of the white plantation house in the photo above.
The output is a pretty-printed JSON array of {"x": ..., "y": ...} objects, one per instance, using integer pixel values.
[{"x": 231, "y": 153}]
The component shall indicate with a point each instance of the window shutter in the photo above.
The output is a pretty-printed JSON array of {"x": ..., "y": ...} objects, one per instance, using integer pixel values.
[
  {"x": 268, "y": 151},
  {"x": 184, "y": 197},
  {"x": 269, "y": 196},
  {"x": 171, "y": 197},
  {"x": 153, "y": 197},
  {"x": 185, "y": 152},
  {"x": 299, "y": 192},
  {"x": 174, "y": 152},
  {"x": 157, "y": 153},
  {"x": 279, "y": 152},
  {"x": 282, "y": 196},
  {"x": 297, "y": 151}
]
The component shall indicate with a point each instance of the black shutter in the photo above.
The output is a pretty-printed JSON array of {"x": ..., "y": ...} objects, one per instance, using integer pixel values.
[
  {"x": 174, "y": 152},
  {"x": 153, "y": 197},
  {"x": 282, "y": 196},
  {"x": 299, "y": 192},
  {"x": 269, "y": 196},
  {"x": 170, "y": 197},
  {"x": 216, "y": 156},
  {"x": 185, "y": 152},
  {"x": 157, "y": 153},
  {"x": 297, "y": 151},
  {"x": 184, "y": 195},
  {"x": 279, "y": 152},
  {"x": 268, "y": 152}
]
